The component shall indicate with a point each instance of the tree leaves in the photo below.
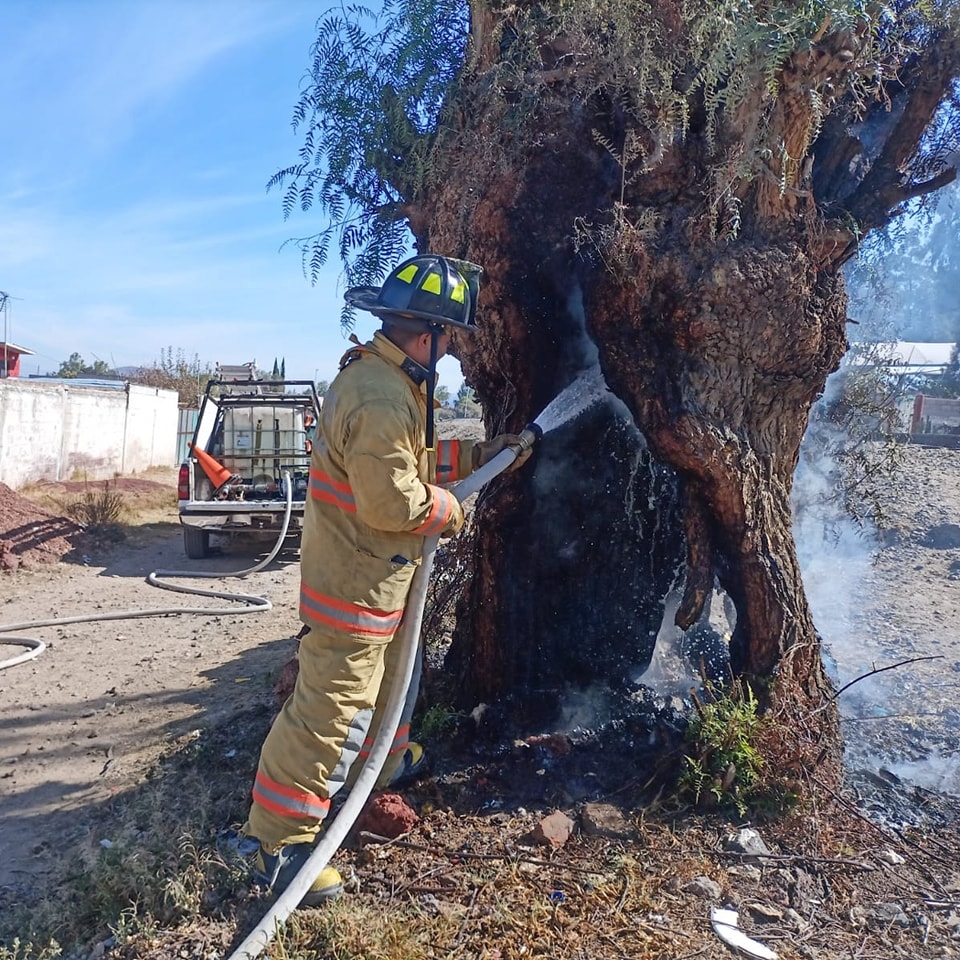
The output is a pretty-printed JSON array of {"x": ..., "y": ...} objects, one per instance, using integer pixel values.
[{"x": 377, "y": 84}]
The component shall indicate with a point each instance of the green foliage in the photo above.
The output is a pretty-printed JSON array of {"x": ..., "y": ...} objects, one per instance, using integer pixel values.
[
  {"x": 174, "y": 371},
  {"x": 279, "y": 371},
  {"x": 723, "y": 763},
  {"x": 442, "y": 394},
  {"x": 437, "y": 723},
  {"x": 76, "y": 367},
  {"x": 383, "y": 97},
  {"x": 369, "y": 117},
  {"x": 662, "y": 63}
]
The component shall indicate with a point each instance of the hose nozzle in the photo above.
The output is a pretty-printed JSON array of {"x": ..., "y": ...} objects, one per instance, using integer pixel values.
[{"x": 529, "y": 435}]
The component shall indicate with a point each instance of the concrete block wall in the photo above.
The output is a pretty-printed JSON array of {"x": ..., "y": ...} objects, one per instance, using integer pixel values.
[{"x": 56, "y": 430}]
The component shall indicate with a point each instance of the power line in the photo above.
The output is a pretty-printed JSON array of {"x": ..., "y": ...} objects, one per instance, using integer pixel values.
[{"x": 5, "y": 299}]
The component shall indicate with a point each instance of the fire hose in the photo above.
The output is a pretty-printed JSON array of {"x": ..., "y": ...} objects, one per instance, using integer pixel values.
[
  {"x": 408, "y": 637},
  {"x": 253, "y": 603}
]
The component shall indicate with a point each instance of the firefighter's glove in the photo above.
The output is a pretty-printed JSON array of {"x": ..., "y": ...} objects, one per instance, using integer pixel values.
[
  {"x": 486, "y": 450},
  {"x": 456, "y": 521}
]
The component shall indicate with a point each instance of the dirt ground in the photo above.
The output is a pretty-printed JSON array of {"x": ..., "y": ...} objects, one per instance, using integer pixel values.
[
  {"x": 93, "y": 712},
  {"x": 92, "y": 715}
]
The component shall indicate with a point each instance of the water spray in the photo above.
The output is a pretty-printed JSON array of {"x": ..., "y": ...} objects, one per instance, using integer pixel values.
[{"x": 588, "y": 389}]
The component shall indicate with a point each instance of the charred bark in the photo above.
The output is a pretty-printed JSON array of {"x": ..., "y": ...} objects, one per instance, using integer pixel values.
[
  {"x": 590, "y": 532},
  {"x": 715, "y": 322}
]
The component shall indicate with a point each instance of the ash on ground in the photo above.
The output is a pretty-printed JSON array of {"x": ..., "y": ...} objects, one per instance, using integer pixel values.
[{"x": 887, "y": 603}]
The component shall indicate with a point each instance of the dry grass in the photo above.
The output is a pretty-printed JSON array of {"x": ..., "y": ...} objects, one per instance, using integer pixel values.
[
  {"x": 136, "y": 500},
  {"x": 597, "y": 900},
  {"x": 475, "y": 884}
]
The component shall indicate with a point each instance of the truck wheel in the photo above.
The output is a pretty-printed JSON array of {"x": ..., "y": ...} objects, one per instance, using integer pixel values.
[{"x": 196, "y": 542}]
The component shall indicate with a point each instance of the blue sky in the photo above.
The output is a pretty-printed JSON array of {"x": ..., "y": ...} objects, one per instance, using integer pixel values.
[{"x": 136, "y": 139}]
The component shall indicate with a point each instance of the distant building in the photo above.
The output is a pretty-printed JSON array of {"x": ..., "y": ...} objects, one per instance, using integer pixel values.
[
  {"x": 929, "y": 359},
  {"x": 10, "y": 355},
  {"x": 906, "y": 358}
]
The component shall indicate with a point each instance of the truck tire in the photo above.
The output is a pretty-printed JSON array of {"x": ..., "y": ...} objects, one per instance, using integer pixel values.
[{"x": 196, "y": 542}]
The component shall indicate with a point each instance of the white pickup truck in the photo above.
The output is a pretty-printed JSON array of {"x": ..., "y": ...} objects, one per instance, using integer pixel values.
[{"x": 252, "y": 438}]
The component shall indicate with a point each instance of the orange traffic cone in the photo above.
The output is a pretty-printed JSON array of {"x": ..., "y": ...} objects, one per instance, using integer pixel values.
[{"x": 217, "y": 472}]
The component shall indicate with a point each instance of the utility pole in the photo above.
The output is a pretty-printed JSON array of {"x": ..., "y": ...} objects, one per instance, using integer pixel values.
[{"x": 4, "y": 297}]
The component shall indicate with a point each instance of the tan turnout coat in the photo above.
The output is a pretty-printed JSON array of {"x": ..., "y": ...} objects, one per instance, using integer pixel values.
[{"x": 374, "y": 494}]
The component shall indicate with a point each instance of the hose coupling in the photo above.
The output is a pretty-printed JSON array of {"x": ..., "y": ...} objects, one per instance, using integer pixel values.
[{"x": 529, "y": 435}]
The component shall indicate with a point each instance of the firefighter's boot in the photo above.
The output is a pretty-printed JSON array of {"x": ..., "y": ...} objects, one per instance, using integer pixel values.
[
  {"x": 412, "y": 762},
  {"x": 276, "y": 870}
]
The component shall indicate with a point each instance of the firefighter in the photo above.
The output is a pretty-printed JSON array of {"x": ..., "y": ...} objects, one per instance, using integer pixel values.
[{"x": 375, "y": 494}]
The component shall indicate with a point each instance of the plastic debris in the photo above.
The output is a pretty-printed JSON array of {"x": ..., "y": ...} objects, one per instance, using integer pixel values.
[
  {"x": 557, "y": 896},
  {"x": 724, "y": 923}
]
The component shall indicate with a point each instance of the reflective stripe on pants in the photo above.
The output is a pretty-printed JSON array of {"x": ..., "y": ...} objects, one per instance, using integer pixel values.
[
  {"x": 402, "y": 739},
  {"x": 309, "y": 752}
]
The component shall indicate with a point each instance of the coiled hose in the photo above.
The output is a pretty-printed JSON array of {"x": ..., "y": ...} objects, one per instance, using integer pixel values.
[{"x": 253, "y": 604}]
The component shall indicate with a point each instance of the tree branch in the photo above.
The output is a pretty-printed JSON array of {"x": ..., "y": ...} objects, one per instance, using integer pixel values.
[
  {"x": 882, "y": 190},
  {"x": 929, "y": 186},
  {"x": 892, "y": 666}
]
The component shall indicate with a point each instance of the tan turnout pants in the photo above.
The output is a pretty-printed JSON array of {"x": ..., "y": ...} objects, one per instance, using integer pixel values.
[{"x": 327, "y": 723}]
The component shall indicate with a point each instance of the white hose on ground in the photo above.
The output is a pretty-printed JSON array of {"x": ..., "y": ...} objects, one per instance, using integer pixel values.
[
  {"x": 408, "y": 637},
  {"x": 253, "y": 603}
]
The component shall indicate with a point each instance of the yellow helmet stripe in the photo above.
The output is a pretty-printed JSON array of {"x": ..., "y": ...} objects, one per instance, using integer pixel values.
[
  {"x": 459, "y": 293},
  {"x": 433, "y": 283},
  {"x": 408, "y": 273}
]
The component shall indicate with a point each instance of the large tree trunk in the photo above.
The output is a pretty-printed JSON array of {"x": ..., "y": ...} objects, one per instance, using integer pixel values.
[
  {"x": 715, "y": 315},
  {"x": 717, "y": 352}
]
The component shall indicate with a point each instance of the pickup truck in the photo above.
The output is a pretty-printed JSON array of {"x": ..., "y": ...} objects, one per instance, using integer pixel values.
[{"x": 252, "y": 438}]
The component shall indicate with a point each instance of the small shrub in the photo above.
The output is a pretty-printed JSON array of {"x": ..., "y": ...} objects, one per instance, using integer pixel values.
[
  {"x": 724, "y": 766},
  {"x": 100, "y": 511},
  {"x": 437, "y": 723}
]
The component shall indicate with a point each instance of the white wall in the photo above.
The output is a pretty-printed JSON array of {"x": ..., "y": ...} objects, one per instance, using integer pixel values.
[{"x": 63, "y": 431}]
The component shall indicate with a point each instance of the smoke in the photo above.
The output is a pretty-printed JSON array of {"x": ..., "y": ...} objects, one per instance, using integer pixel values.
[
  {"x": 938, "y": 773},
  {"x": 906, "y": 300},
  {"x": 836, "y": 553},
  {"x": 906, "y": 282}
]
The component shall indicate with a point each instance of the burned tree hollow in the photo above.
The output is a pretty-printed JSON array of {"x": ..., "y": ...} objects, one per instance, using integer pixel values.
[
  {"x": 591, "y": 532},
  {"x": 667, "y": 194}
]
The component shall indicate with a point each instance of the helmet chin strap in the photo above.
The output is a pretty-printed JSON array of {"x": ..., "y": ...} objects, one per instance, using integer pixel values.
[{"x": 431, "y": 382}]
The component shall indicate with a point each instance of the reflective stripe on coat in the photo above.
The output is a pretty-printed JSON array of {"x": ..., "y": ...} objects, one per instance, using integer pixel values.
[{"x": 374, "y": 495}]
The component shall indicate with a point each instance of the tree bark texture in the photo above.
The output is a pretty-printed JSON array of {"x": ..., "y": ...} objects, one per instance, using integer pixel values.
[{"x": 715, "y": 315}]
